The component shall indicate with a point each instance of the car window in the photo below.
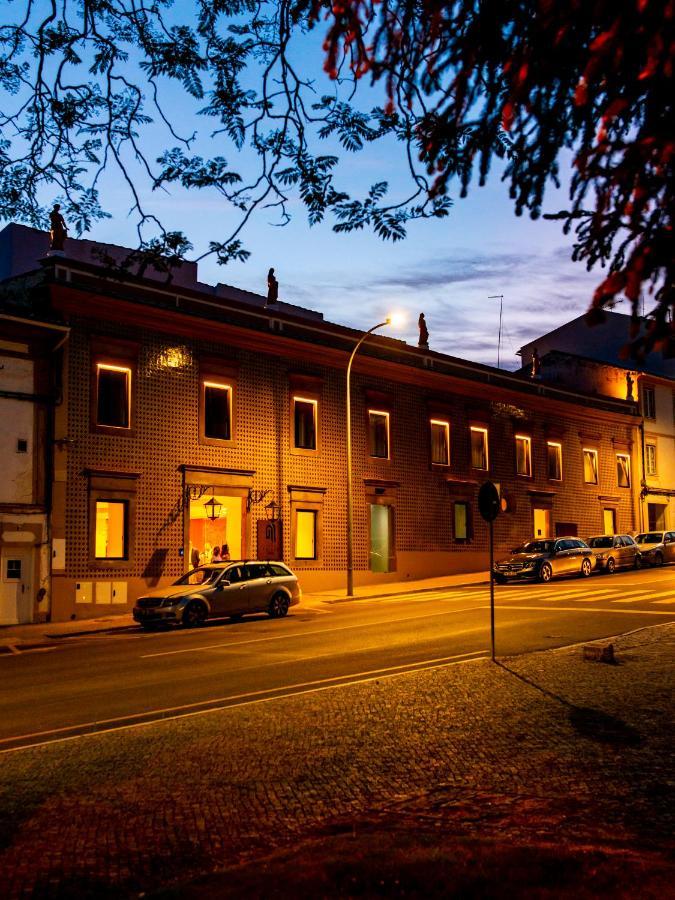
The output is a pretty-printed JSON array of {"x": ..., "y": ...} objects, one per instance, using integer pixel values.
[
  {"x": 561, "y": 545},
  {"x": 203, "y": 575},
  {"x": 670, "y": 536},
  {"x": 235, "y": 574},
  {"x": 579, "y": 545},
  {"x": 627, "y": 540},
  {"x": 257, "y": 570},
  {"x": 535, "y": 547},
  {"x": 651, "y": 537},
  {"x": 278, "y": 571},
  {"x": 599, "y": 542}
]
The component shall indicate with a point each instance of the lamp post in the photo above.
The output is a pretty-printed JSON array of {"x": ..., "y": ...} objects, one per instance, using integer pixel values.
[{"x": 350, "y": 514}]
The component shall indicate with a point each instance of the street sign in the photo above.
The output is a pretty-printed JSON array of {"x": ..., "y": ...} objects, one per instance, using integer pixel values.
[{"x": 488, "y": 501}]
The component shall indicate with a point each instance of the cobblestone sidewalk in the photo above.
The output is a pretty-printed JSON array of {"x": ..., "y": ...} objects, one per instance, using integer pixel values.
[{"x": 542, "y": 746}]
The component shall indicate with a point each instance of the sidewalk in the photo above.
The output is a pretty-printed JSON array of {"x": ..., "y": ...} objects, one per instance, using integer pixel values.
[
  {"x": 542, "y": 776},
  {"x": 45, "y": 633}
]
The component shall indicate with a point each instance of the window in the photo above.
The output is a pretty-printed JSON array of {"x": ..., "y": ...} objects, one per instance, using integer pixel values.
[
  {"x": 650, "y": 459},
  {"x": 479, "y": 447},
  {"x": 623, "y": 469},
  {"x": 440, "y": 442},
  {"x": 304, "y": 423},
  {"x": 111, "y": 529},
  {"x": 554, "y": 451},
  {"x": 113, "y": 396},
  {"x": 461, "y": 521},
  {"x": 590, "y": 466},
  {"x": 648, "y": 403},
  {"x": 378, "y": 433},
  {"x": 523, "y": 455},
  {"x": 305, "y": 534},
  {"x": 13, "y": 570},
  {"x": 217, "y": 410}
]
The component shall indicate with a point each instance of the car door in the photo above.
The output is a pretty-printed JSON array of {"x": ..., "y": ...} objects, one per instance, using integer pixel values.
[
  {"x": 233, "y": 593},
  {"x": 618, "y": 551},
  {"x": 259, "y": 581},
  {"x": 562, "y": 560},
  {"x": 669, "y": 546},
  {"x": 629, "y": 550}
]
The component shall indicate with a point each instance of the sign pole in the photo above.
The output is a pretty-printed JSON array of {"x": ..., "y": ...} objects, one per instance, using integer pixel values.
[{"x": 492, "y": 589}]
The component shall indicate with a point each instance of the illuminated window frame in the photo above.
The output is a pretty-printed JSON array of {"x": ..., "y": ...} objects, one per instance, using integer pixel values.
[
  {"x": 314, "y": 513},
  {"x": 445, "y": 425},
  {"x": 480, "y": 429},
  {"x": 594, "y": 454},
  {"x": 385, "y": 413},
  {"x": 619, "y": 470},
  {"x": 314, "y": 402},
  {"x": 651, "y": 461},
  {"x": 526, "y": 440},
  {"x": 111, "y": 367},
  {"x": 558, "y": 448},
  {"x": 223, "y": 386},
  {"x": 125, "y": 529}
]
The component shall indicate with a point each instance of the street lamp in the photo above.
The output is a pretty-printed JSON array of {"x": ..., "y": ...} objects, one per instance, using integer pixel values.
[{"x": 350, "y": 514}]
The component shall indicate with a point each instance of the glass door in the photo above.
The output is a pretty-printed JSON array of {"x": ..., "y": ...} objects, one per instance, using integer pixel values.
[{"x": 381, "y": 538}]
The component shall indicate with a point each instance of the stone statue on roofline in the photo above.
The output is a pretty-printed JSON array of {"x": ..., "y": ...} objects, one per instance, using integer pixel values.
[
  {"x": 58, "y": 229},
  {"x": 535, "y": 365},
  {"x": 423, "y": 342},
  {"x": 629, "y": 386},
  {"x": 272, "y": 288}
]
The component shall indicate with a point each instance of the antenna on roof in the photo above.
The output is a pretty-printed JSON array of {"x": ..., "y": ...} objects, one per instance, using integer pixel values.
[{"x": 499, "y": 297}]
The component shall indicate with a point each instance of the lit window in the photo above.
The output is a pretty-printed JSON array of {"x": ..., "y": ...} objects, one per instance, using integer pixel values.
[
  {"x": 461, "y": 520},
  {"x": 648, "y": 403},
  {"x": 554, "y": 450},
  {"x": 217, "y": 411},
  {"x": 113, "y": 396},
  {"x": 304, "y": 423},
  {"x": 479, "y": 447},
  {"x": 440, "y": 442},
  {"x": 378, "y": 433},
  {"x": 111, "y": 529},
  {"x": 305, "y": 534},
  {"x": 523, "y": 455},
  {"x": 623, "y": 469},
  {"x": 590, "y": 466},
  {"x": 650, "y": 459},
  {"x": 609, "y": 521}
]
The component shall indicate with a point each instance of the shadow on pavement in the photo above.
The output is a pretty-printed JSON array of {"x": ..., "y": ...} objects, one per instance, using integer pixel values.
[{"x": 593, "y": 724}]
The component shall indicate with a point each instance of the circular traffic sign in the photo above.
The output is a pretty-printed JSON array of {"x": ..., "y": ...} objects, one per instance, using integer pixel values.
[{"x": 488, "y": 501}]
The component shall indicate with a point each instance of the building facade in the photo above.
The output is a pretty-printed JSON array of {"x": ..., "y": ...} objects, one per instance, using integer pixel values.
[
  {"x": 608, "y": 373},
  {"x": 189, "y": 416}
]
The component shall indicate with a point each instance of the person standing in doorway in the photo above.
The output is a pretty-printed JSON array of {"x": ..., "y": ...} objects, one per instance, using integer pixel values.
[{"x": 216, "y": 557}]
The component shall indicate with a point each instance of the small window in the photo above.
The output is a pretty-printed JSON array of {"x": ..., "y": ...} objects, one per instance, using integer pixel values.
[
  {"x": 22, "y": 445},
  {"x": 440, "y": 442},
  {"x": 650, "y": 459},
  {"x": 113, "y": 396},
  {"x": 523, "y": 455},
  {"x": 217, "y": 411},
  {"x": 648, "y": 403},
  {"x": 305, "y": 534},
  {"x": 13, "y": 570},
  {"x": 378, "y": 425},
  {"x": 554, "y": 451},
  {"x": 590, "y": 466},
  {"x": 623, "y": 469},
  {"x": 479, "y": 448},
  {"x": 461, "y": 521},
  {"x": 304, "y": 423},
  {"x": 111, "y": 529}
]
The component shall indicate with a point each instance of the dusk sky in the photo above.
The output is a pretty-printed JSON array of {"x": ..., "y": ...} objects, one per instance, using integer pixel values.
[{"x": 446, "y": 268}]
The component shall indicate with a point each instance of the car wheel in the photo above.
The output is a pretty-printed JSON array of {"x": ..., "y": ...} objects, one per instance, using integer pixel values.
[
  {"x": 611, "y": 566},
  {"x": 586, "y": 567},
  {"x": 658, "y": 559},
  {"x": 638, "y": 562},
  {"x": 194, "y": 614},
  {"x": 278, "y": 606},
  {"x": 499, "y": 579},
  {"x": 545, "y": 573}
]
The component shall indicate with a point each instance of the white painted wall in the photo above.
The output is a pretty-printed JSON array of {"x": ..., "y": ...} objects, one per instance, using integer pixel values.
[{"x": 16, "y": 421}]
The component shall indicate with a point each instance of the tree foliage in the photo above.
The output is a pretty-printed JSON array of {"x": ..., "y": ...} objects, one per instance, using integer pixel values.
[{"x": 464, "y": 81}]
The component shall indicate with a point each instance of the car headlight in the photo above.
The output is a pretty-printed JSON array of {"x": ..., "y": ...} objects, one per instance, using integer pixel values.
[
  {"x": 529, "y": 563},
  {"x": 171, "y": 601}
]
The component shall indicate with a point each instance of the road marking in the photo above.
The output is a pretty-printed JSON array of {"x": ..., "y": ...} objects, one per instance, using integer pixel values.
[
  {"x": 380, "y": 623},
  {"x": 665, "y": 602},
  {"x": 104, "y": 726},
  {"x": 634, "y": 597},
  {"x": 622, "y": 612}
]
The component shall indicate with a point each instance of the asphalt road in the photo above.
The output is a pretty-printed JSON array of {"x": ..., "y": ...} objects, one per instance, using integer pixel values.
[{"x": 104, "y": 682}]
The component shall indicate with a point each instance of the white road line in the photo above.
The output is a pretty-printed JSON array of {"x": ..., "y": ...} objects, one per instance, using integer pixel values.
[
  {"x": 634, "y": 597},
  {"x": 664, "y": 602},
  {"x": 622, "y": 612},
  {"x": 247, "y": 699}
]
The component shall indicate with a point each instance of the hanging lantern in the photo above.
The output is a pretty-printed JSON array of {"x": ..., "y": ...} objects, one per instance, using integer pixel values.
[
  {"x": 273, "y": 511},
  {"x": 213, "y": 509}
]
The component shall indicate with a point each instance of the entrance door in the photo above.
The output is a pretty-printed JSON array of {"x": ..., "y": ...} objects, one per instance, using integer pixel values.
[
  {"x": 609, "y": 521},
  {"x": 381, "y": 538},
  {"x": 16, "y": 595},
  {"x": 542, "y": 522},
  {"x": 227, "y": 530},
  {"x": 656, "y": 516}
]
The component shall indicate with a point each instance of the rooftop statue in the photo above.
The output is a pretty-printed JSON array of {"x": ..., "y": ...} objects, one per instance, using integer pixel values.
[
  {"x": 272, "y": 288},
  {"x": 58, "y": 229},
  {"x": 423, "y": 341}
]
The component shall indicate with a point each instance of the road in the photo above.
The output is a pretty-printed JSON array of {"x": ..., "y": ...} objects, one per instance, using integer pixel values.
[{"x": 111, "y": 681}]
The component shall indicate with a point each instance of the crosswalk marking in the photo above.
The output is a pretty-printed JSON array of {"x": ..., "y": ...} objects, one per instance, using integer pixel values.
[
  {"x": 664, "y": 602},
  {"x": 633, "y": 597}
]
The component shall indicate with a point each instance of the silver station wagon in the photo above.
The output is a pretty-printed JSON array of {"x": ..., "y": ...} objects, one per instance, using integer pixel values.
[{"x": 224, "y": 589}]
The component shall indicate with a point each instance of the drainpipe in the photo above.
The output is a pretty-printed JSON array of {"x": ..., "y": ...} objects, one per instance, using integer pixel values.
[{"x": 643, "y": 480}]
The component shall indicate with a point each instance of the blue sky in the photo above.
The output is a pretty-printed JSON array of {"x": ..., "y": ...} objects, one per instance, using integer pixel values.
[{"x": 446, "y": 268}]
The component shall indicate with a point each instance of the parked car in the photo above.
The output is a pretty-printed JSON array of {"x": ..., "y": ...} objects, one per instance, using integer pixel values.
[
  {"x": 615, "y": 551},
  {"x": 224, "y": 589},
  {"x": 657, "y": 547},
  {"x": 544, "y": 559}
]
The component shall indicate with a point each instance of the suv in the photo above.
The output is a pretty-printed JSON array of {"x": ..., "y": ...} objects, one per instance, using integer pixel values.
[
  {"x": 543, "y": 559},
  {"x": 224, "y": 589},
  {"x": 615, "y": 551},
  {"x": 657, "y": 547}
]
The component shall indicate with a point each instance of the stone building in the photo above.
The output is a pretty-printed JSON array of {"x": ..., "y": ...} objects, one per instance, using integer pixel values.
[{"x": 187, "y": 416}]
